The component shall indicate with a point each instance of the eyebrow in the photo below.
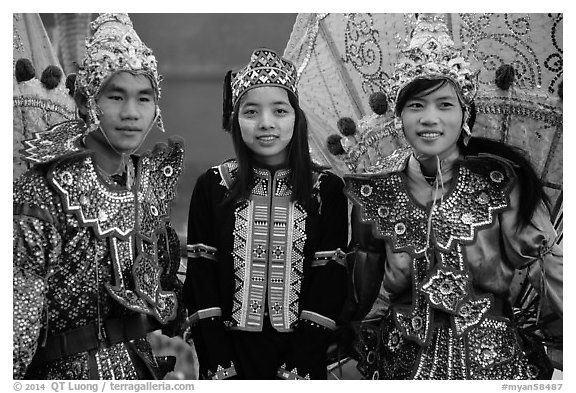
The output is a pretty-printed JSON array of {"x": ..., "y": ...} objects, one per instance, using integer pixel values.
[
  {"x": 449, "y": 97},
  {"x": 250, "y": 103},
  {"x": 119, "y": 89}
]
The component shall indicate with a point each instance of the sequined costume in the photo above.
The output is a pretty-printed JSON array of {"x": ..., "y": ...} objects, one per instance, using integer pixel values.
[
  {"x": 94, "y": 262},
  {"x": 265, "y": 265},
  {"x": 448, "y": 266}
]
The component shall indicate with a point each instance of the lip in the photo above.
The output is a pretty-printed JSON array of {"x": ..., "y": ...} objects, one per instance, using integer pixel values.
[
  {"x": 430, "y": 134},
  {"x": 129, "y": 129},
  {"x": 268, "y": 138}
]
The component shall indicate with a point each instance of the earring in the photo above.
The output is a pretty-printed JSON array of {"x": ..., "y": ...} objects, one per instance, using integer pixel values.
[
  {"x": 398, "y": 123},
  {"x": 466, "y": 137},
  {"x": 465, "y": 127},
  {"x": 158, "y": 119},
  {"x": 93, "y": 117}
]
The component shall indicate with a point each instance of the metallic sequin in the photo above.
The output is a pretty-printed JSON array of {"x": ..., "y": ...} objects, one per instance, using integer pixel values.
[{"x": 66, "y": 274}]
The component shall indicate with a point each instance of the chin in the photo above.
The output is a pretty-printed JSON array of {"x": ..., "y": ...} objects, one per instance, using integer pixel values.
[{"x": 127, "y": 149}]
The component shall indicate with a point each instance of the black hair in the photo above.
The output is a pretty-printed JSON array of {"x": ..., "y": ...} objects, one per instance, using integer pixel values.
[
  {"x": 81, "y": 101},
  {"x": 531, "y": 187},
  {"x": 298, "y": 157}
]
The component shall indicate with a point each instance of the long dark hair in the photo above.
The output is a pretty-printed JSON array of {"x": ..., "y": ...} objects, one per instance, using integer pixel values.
[
  {"x": 298, "y": 157},
  {"x": 531, "y": 187}
]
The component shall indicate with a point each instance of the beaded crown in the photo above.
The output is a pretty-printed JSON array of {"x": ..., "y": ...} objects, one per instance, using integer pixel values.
[
  {"x": 431, "y": 54},
  {"x": 113, "y": 47},
  {"x": 266, "y": 68}
]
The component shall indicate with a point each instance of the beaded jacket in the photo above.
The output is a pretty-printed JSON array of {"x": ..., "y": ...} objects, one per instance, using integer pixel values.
[
  {"x": 447, "y": 253},
  {"x": 93, "y": 260},
  {"x": 264, "y": 257}
]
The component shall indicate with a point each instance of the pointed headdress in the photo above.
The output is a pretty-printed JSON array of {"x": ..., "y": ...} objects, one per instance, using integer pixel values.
[
  {"x": 114, "y": 47},
  {"x": 431, "y": 55}
]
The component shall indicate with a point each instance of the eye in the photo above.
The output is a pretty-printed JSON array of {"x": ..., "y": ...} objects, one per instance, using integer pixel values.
[
  {"x": 414, "y": 105},
  {"x": 281, "y": 111},
  {"x": 446, "y": 105},
  {"x": 115, "y": 97},
  {"x": 145, "y": 99},
  {"x": 249, "y": 112}
]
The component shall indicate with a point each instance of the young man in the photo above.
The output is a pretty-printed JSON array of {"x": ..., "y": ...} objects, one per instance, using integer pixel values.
[{"x": 95, "y": 258}]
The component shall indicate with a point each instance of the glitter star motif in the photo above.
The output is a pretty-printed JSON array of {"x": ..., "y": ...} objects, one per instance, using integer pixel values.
[
  {"x": 446, "y": 289},
  {"x": 259, "y": 251},
  {"x": 277, "y": 308},
  {"x": 255, "y": 306},
  {"x": 278, "y": 252}
]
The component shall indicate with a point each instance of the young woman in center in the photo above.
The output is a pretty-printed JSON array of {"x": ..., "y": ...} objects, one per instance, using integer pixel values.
[{"x": 266, "y": 278}]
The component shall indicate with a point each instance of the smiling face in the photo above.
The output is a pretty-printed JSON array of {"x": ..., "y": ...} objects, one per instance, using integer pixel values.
[
  {"x": 432, "y": 121},
  {"x": 266, "y": 120},
  {"x": 128, "y": 104}
]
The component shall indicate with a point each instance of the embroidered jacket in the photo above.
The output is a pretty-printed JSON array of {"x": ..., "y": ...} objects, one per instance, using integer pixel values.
[
  {"x": 92, "y": 259},
  {"x": 266, "y": 257},
  {"x": 448, "y": 266}
]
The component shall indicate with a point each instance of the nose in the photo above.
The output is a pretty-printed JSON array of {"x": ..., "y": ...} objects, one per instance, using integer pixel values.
[
  {"x": 429, "y": 115},
  {"x": 129, "y": 110},
  {"x": 266, "y": 120}
]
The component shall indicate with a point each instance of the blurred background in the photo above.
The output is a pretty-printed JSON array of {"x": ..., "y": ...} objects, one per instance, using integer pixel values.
[{"x": 194, "y": 52}]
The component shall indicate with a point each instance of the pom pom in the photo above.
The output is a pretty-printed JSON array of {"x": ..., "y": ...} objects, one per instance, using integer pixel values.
[
  {"x": 227, "y": 102},
  {"x": 346, "y": 126},
  {"x": 24, "y": 70},
  {"x": 71, "y": 84},
  {"x": 334, "y": 145},
  {"x": 378, "y": 102},
  {"x": 561, "y": 89},
  {"x": 51, "y": 77},
  {"x": 504, "y": 76}
]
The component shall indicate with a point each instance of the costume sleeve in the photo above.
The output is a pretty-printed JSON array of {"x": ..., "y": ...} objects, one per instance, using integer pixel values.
[
  {"x": 367, "y": 261},
  {"x": 534, "y": 247},
  {"x": 169, "y": 257},
  {"x": 202, "y": 285},
  {"x": 322, "y": 304},
  {"x": 36, "y": 250}
]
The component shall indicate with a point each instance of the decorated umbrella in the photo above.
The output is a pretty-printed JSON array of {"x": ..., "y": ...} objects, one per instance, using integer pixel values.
[
  {"x": 40, "y": 95},
  {"x": 343, "y": 61}
]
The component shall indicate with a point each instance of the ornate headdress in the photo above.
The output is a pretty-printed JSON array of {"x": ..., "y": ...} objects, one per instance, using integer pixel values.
[
  {"x": 114, "y": 47},
  {"x": 265, "y": 68},
  {"x": 431, "y": 54}
]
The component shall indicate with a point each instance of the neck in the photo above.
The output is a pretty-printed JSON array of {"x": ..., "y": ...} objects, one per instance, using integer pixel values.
[
  {"x": 429, "y": 164},
  {"x": 271, "y": 164},
  {"x": 106, "y": 158}
]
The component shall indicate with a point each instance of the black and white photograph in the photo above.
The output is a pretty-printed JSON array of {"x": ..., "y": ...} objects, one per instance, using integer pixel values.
[{"x": 287, "y": 196}]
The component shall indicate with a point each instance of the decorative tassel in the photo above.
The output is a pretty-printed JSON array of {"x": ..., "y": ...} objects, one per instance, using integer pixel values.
[
  {"x": 227, "y": 108},
  {"x": 51, "y": 77},
  {"x": 24, "y": 70},
  {"x": 346, "y": 126},
  {"x": 378, "y": 102},
  {"x": 334, "y": 145},
  {"x": 504, "y": 76}
]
